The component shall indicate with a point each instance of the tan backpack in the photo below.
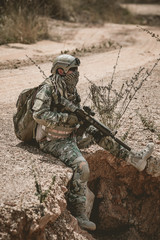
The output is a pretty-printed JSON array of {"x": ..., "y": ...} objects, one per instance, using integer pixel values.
[{"x": 24, "y": 124}]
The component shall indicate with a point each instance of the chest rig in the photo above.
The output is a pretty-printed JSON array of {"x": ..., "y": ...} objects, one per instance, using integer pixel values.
[{"x": 61, "y": 130}]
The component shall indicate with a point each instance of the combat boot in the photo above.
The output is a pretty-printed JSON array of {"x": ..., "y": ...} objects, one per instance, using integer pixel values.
[
  {"x": 139, "y": 159},
  {"x": 80, "y": 215}
]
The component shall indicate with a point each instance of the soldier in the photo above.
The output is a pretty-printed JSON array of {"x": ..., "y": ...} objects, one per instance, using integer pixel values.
[{"x": 56, "y": 133}]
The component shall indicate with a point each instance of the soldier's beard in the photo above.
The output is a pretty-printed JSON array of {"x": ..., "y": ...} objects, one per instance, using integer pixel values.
[{"x": 71, "y": 81}]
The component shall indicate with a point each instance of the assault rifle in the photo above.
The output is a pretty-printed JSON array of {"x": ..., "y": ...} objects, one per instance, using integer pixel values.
[{"x": 86, "y": 119}]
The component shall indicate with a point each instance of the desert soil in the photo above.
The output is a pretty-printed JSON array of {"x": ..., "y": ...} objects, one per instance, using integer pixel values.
[{"x": 139, "y": 49}]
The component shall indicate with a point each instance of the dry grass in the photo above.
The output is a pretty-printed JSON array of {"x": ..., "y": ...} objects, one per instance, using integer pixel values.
[
  {"x": 110, "y": 103},
  {"x": 98, "y": 11},
  {"x": 22, "y": 26},
  {"x": 20, "y": 21},
  {"x": 23, "y": 29},
  {"x": 23, "y": 20}
]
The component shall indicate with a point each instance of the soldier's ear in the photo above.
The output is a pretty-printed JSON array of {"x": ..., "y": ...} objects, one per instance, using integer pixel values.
[{"x": 60, "y": 71}]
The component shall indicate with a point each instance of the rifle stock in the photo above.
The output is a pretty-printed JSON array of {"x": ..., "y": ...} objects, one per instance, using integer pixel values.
[{"x": 89, "y": 120}]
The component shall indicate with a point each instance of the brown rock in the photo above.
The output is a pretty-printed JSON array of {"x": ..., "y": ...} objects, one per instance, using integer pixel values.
[{"x": 125, "y": 198}]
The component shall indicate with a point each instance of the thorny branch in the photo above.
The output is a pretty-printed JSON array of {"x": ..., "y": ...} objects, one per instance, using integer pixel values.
[
  {"x": 41, "y": 71},
  {"x": 112, "y": 78},
  {"x": 110, "y": 111},
  {"x": 156, "y": 36}
]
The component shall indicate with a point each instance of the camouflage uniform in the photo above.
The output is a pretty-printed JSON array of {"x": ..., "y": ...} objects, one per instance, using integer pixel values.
[
  {"x": 56, "y": 136},
  {"x": 68, "y": 152},
  {"x": 49, "y": 113}
]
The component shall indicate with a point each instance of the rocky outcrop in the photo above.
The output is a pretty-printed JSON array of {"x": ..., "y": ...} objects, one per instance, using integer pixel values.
[
  {"x": 127, "y": 204},
  {"x": 33, "y": 204}
]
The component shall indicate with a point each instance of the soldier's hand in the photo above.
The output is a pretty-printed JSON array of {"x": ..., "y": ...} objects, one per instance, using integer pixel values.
[{"x": 72, "y": 120}]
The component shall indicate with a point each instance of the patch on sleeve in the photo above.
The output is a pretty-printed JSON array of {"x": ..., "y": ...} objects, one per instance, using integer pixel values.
[
  {"x": 37, "y": 105},
  {"x": 44, "y": 94}
]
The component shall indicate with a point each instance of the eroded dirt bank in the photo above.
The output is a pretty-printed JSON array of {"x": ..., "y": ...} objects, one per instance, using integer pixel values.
[
  {"x": 127, "y": 202},
  {"x": 126, "y": 205}
]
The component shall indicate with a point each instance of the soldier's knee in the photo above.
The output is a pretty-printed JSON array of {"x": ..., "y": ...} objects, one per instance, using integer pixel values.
[
  {"x": 84, "y": 171},
  {"x": 80, "y": 165}
]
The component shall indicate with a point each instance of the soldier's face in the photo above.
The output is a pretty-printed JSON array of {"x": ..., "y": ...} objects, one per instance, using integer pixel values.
[{"x": 70, "y": 71}]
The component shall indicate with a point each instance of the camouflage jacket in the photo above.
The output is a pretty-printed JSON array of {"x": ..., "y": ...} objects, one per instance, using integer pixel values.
[{"x": 47, "y": 111}]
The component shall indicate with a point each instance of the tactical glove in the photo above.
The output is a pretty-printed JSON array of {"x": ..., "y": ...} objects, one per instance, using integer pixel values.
[{"x": 72, "y": 120}]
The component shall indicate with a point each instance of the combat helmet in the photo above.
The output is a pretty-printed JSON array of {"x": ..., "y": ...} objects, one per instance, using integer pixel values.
[{"x": 65, "y": 62}]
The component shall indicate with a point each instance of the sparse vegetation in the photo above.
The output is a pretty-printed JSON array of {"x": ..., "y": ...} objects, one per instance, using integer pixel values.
[
  {"x": 25, "y": 21},
  {"x": 152, "y": 34},
  {"x": 39, "y": 192},
  {"x": 19, "y": 22},
  {"x": 111, "y": 104},
  {"x": 98, "y": 11},
  {"x": 105, "y": 45},
  {"x": 149, "y": 124},
  {"x": 23, "y": 28}
]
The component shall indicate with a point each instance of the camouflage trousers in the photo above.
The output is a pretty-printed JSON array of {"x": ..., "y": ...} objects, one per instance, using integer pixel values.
[
  {"x": 68, "y": 152},
  {"x": 113, "y": 147}
]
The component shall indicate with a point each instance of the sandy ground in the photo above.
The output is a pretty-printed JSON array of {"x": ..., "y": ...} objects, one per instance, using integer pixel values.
[{"x": 138, "y": 49}]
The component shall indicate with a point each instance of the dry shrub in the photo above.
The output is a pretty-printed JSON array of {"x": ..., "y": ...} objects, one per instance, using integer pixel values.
[
  {"x": 110, "y": 103},
  {"x": 101, "y": 10},
  {"x": 22, "y": 28},
  {"x": 21, "y": 21}
]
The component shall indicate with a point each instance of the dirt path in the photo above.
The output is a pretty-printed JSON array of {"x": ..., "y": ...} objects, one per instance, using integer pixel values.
[{"x": 138, "y": 49}]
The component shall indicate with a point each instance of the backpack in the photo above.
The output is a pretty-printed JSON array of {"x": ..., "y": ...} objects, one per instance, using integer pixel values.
[{"x": 24, "y": 124}]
